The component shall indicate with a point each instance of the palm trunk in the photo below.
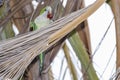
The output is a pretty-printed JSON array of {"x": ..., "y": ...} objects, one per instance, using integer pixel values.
[
  {"x": 115, "y": 5},
  {"x": 6, "y": 29},
  {"x": 21, "y": 17}
]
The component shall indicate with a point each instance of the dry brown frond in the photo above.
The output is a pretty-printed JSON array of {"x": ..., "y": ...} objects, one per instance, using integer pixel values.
[{"x": 17, "y": 53}]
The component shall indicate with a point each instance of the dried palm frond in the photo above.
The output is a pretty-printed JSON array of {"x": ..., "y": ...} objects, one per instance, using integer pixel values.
[
  {"x": 15, "y": 8},
  {"x": 22, "y": 15},
  {"x": 116, "y": 75},
  {"x": 17, "y": 53}
]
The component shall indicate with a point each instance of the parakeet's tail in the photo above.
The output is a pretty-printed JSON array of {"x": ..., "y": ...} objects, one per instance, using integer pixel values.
[{"x": 41, "y": 58}]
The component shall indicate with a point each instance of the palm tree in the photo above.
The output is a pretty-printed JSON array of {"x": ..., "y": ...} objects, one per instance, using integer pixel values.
[
  {"x": 21, "y": 13},
  {"x": 114, "y": 4}
]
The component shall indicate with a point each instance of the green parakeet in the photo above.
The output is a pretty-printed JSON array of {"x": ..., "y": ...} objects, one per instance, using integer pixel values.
[{"x": 42, "y": 20}]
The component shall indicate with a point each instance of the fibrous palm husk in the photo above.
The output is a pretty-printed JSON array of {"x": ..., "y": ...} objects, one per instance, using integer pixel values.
[{"x": 17, "y": 53}]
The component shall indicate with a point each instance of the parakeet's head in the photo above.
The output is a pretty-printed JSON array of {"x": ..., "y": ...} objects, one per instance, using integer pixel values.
[{"x": 47, "y": 11}]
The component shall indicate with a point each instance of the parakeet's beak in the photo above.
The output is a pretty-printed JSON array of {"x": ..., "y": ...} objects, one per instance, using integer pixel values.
[{"x": 50, "y": 15}]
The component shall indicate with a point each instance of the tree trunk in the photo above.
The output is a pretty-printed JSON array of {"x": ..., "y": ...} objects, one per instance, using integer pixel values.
[
  {"x": 115, "y": 4},
  {"x": 22, "y": 16},
  {"x": 6, "y": 31}
]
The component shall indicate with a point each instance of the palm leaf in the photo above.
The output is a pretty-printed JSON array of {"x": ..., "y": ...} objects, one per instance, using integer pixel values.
[
  {"x": 83, "y": 56},
  {"x": 17, "y": 53},
  {"x": 70, "y": 63}
]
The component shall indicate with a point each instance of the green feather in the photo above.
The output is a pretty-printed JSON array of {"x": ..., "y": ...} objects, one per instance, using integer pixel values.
[
  {"x": 41, "y": 57},
  {"x": 43, "y": 10},
  {"x": 33, "y": 25}
]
